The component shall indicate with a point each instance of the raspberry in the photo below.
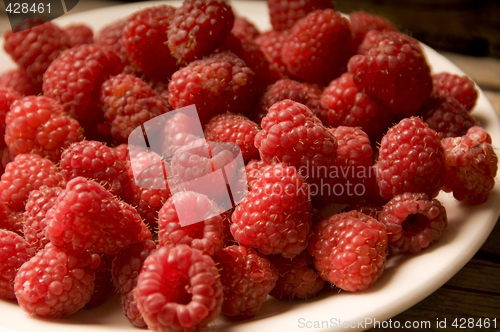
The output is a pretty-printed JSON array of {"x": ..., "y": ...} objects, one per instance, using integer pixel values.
[
  {"x": 39, "y": 202},
  {"x": 288, "y": 89},
  {"x": 125, "y": 270},
  {"x": 235, "y": 129},
  {"x": 247, "y": 277},
  {"x": 54, "y": 283},
  {"x": 297, "y": 279},
  {"x": 293, "y": 135},
  {"x": 411, "y": 159},
  {"x": 93, "y": 160},
  {"x": 314, "y": 48},
  {"x": 447, "y": 116},
  {"x": 271, "y": 43},
  {"x": 178, "y": 289},
  {"x": 199, "y": 27},
  {"x": 217, "y": 84},
  {"x": 349, "y": 250},
  {"x": 79, "y": 34},
  {"x": 245, "y": 27},
  {"x": 362, "y": 22},
  {"x": 254, "y": 170},
  {"x": 7, "y": 97},
  {"x": 145, "y": 40},
  {"x": 348, "y": 106},
  {"x": 103, "y": 285},
  {"x": 284, "y": 13},
  {"x": 111, "y": 37},
  {"x": 74, "y": 80},
  {"x": 393, "y": 70},
  {"x": 14, "y": 252},
  {"x": 86, "y": 216},
  {"x": 459, "y": 86},
  {"x": 471, "y": 166},
  {"x": 38, "y": 125},
  {"x": 26, "y": 173},
  {"x": 413, "y": 221},
  {"x": 35, "y": 48},
  {"x": 128, "y": 102},
  {"x": 19, "y": 81},
  {"x": 275, "y": 216},
  {"x": 122, "y": 153}
]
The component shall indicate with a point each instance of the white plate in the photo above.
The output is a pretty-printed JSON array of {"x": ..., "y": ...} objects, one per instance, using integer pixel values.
[{"x": 406, "y": 281}]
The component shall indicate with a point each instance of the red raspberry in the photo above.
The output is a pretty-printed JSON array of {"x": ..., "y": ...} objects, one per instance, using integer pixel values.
[
  {"x": 217, "y": 84},
  {"x": 284, "y": 13},
  {"x": 18, "y": 80},
  {"x": 235, "y": 129},
  {"x": 243, "y": 26},
  {"x": 254, "y": 170},
  {"x": 413, "y": 221},
  {"x": 111, "y": 37},
  {"x": 125, "y": 269},
  {"x": 393, "y": 70},
  {"x": 297, "y": 278},
  {"x": 7, "y": 97},
  {"x": 411, "y": 159},
  {"x": 362, "y": 22},
  {"x": 199, "y": 27},
  {"x": 346, "y": 105},
  {"x": 14, "y": 252},
  {"x": 54, "y": 283},
  {"x": 128, "y": 102},
  {"x": 35, "y": 48},
  {"x": 178, "y": 289},
  {"x": 26, "y": 173},
  {"x": 314, "y": 48},
  {"x": 38, "y": 125},
  {"x": 86, "y": 216},
  {"x": 247, "y": 277},
  {"x": 206, "y": 235},
  {"x": 288, "y": 89},
  {"x": 79, "y": 34},
  {"x": 447, "y": 116},
  {"x": 349, "y": 250},
  {"x": 93, "y": 160},
  {"x": 74, "y": 79},
  {"x": 145, "y": 40},
  {"x": 275, "y": 216},
  {"x": 459, "y": 86},
  {"x": 39, "y": 202},
  {"x": 471, "y": 166},
  {"x": 293, "y": 135},
  {"x": 271, "y": 43}
]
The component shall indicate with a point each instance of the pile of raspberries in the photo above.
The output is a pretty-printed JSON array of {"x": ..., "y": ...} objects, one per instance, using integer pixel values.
[{"x": 327, "y": 111}]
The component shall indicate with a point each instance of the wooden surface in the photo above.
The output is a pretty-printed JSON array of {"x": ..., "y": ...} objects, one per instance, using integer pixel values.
[{"x": 474, "y": 292}]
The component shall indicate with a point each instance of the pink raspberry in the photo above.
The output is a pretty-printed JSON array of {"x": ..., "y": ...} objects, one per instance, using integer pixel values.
[
  {"x": 297, "y": 279},
  {"x": 199, "y": 27},
  {"x": 54, "y": 283},
  {"x": 19, "y": 81},
  {"x": 7, "y": 97},
  {"x": 217, "y": 84},
  {"x": 284, "y": 13},
  {"x": 413, "y": 221},
  {"x": 179, "y": 289},
  {"x": 411, "y": 159},
  {"x": 243, "y": 26},
  {"x": 206, "y": 235},
  {"x": 93, "y": 160},
  {"x": 275, "y": 216},
  {"x": 14, "y": 252},
  {"x": 271, "y": 43},
  {"x": 79, "y": 34},
  {"x": 393, "y": 70},
  {"x": 471, "y": 166},
  {"x": 362, "y": 22},
  {"x": 85, "y": 216},
  {"x": 235, "y": 129},
  {"x": 39, "y": 202},
  {"x": 314, "y": 48},
  {"x": 26, "y": 173},
  {"x": 461, "y": 87},
  {"x": 247, "y": 278},
  {"x": 349, "y": 250},
  {"x": 38, "y": 125}
]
